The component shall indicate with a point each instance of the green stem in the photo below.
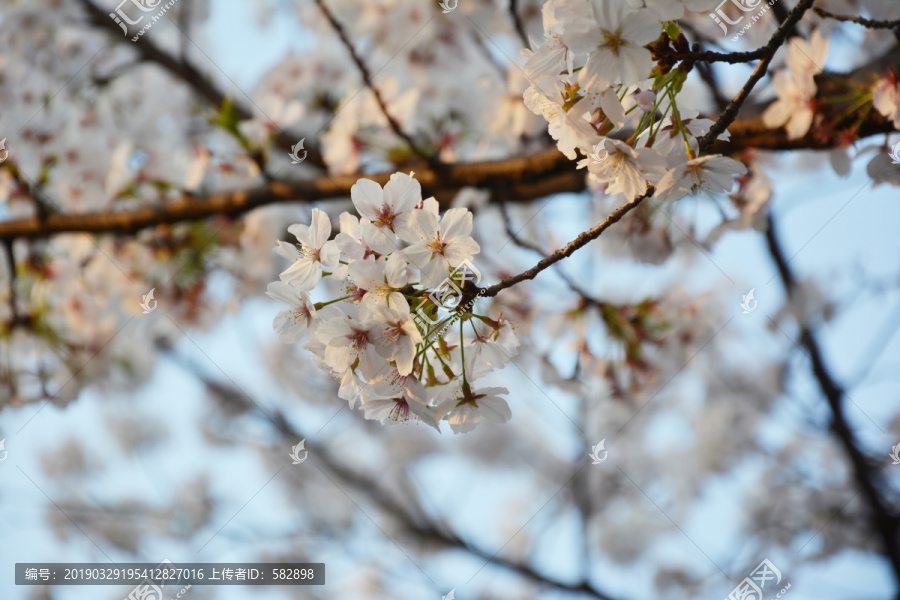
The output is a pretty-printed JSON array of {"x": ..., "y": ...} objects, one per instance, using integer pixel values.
[
  {"x": 462, "y": 350},
  {"x": 680, "y": 125},
  {"x": 321, "y": 305}
]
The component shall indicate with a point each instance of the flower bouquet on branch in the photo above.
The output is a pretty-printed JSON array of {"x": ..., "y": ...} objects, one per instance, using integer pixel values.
[{"x": 404, "y": 336}]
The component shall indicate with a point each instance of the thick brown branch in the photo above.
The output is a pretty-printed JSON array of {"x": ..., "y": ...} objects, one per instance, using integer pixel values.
[
  {"x": 523, "y": 178},
  {"x": 753, "y": 134}
]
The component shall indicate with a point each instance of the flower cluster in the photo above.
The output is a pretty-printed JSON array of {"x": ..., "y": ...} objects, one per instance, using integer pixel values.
[
  {"x": 402, "y": 337},
  {"x": 595, "y": 76}
]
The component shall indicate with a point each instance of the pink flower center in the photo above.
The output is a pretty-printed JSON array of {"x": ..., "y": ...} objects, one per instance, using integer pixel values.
[
  {"x": 400, "y": 411},
  {"x": 385, "y": 216},
  {"x": 311, "y": 253},
  {"x": 613, "y": 41},
  {"x": 393, "y": 333},
  {"x": 301, "y": 312},
  {"x": 355, "y": 293},
  {"x": 359, "y": 339},
  {"x": 437, "y": 245}
]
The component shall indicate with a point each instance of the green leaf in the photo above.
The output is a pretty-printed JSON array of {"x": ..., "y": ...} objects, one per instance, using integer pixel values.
[{"x": 672, "y": 29}]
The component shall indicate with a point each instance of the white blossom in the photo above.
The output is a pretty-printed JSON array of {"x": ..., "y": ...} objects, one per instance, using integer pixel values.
[
  {"x": 614, "y": 41},
  {"x": 713, "y": 173},
  {"x": 316, "y": 251}
]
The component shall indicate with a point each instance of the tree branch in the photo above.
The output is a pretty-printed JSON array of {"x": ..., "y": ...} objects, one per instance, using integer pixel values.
[
  {"x": 868, "y": 23},
  {"x": 710, "y": 56},
  {"x": 569, "y": 249},
  {"x": 518, "y": 241},
  {"x": 517, "y": 179},
  {"x": 367, "y": 79},
  {"x": 417, "y": 524},
  {"x": 884, "y": 521},
  {"x": 517, "y": 22},
  {"x": 775, "y": 42},
  {"x": 188, "y": 74},
  {"x": 524, "y": 178}
]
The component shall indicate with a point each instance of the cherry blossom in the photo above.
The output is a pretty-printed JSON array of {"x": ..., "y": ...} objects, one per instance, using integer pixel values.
[
  {"x": 795, "y": 105},
  {"x": 468, "y": 407},
  {"x": 436, "y": 247},
  {"x": 713, "y": 173},
  {"x": 380, "y": 280},
  {"x": 626, "y": 169},
  {"x": 615, "y": 42},
  {"x": 396, "y": 336},
  {"x": 292, "y": 324},
  {"x": 316, "y": 251},
  {"x": 384, "y": 207},
  {"x": 796, "y": 88},
  {"x": 399, "y": 399}
]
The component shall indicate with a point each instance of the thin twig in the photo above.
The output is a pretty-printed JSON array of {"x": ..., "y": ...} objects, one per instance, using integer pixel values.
[
  {"x": 868, "y": 23},
  {"x": 570, "y": 248},
  {"x": 431, "y": 159},
  {"x": 777, "y": 39},
  {"x": 518, "y": 241},
  {"x": 710, "y": 56},
  {"x": 517, "y": 22}
]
